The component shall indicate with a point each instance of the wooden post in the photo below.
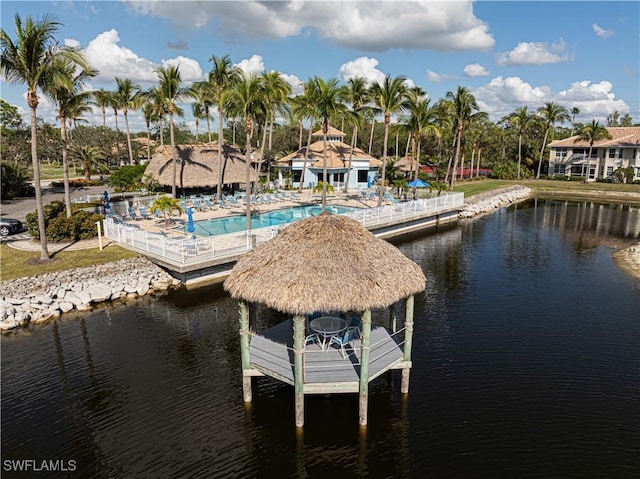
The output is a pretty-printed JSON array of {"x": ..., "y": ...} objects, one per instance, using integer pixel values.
[
  {"x": 408, "y": 338},
  {"x": 393, "y": 318},
  {"x": 244, "y": 351},
  {"x": 298, "y": 367},
  {"x": 364, "y": 366}
]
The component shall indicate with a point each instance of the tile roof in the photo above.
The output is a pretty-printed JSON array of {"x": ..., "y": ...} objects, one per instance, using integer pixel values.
[
  {"x": 620, "y": 136},
  {"x": 337, "y": 155}
]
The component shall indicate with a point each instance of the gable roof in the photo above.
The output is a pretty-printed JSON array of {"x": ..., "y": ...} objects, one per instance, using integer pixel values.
[
  {"x": 331, "y": 131},
  {"x": 628, "y": 136},
  {"x": 337, "y": 155}
]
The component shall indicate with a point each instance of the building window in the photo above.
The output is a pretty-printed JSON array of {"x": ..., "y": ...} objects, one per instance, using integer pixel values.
[
  {"x": 363, "y": 176},
  {"x": 613, "y": 153},
  {"x": 609, "y": 171},
  {"x": 561, "y": 152},
  {"x": 297, "y": 174},
  {"x": 558, "y": 169},
  {"x": 339, "y": 177}
]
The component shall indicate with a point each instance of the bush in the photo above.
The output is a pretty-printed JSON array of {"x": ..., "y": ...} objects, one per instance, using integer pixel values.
[
  {"x": 318, "y": 188},
  {"x": 78, "y": 182},
  {"x": 81, "y": 224},
  {"x": 51, "y": 210},
  {"x": 508, "y": 170},
  {"x": 128, "y": 176},
  {"x": 15, "y": 180}
]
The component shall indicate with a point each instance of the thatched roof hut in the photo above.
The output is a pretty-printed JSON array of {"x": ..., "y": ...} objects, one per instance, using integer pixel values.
[
  {"x": 407, "y": 164},
  {"x": 328, "y": 262},
  {"x": 197, "y": 165}
]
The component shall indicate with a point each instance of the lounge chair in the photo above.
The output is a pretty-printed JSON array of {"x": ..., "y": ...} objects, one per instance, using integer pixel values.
[
  {"x": 198, "y": 204},
  {"x": 293, "y": 195},
  {"x": 210, "y": 205},
  {"x": 144, "y": 213},
  {"x": 222, "y": 204},
  {"x": 132, "y": 213}
]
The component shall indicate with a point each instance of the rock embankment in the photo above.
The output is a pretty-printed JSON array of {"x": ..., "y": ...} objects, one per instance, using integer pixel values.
[
  {"x": 488, "y": 202},
  {"x": 46, "y": 296}
]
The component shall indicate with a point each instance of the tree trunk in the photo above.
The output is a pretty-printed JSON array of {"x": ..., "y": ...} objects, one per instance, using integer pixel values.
[
  {"x": 384, "y": 159},
  {"x": 519, "y": 153},
  {"x": 220, "y": 146},
  {"x": 174, "y": 190},
  {"x": 65, "y": 165},
  {"x": 325, "y": 127},
  {"x": 197, "y": 124},
  {"x": 104, "y": 117},
  {"x": 300, "y": 136},
  {"x": 415, "y": 177},
  {"x": 373, "y": 124},
  {"x": 586, "y": 176},
  {"x": 269, "y": 150},
  {"x": 353, "y": 143},
  {"x": 262, "y": 143},
  {"x": 148, "y": 141},
  {"x": 544, "y": 144},
  {"x": 247, "y": 188},
  {"x": 126, "y": 123},
  {"x": 457, "y": 157},
  {"x": 304, "y": 163},
  {"x": 44, "y": 252},
  {"x": 208, "y": 124}
]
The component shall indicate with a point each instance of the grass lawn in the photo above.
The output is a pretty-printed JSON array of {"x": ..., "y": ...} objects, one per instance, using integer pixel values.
[
  {"x": 470, "y": 188},
  {"x": 17, "y": 263},
  {"x": 54, "y": 172}
]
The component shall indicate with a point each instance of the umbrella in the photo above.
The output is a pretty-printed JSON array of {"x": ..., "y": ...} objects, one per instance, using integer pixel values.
[
  {"x": 418, "y": 183},
  {"x": 190, "y": 227}
]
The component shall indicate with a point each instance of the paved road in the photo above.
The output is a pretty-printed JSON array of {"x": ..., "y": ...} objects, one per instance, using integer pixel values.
[{"x": 19, "y": 207}]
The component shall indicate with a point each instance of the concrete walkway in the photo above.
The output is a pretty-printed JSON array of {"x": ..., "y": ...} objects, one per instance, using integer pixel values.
[{"x": 34, "y": 245}]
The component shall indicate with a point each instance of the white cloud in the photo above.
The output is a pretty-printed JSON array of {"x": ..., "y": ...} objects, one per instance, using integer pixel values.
[
  {"x": 439, "y": 77},
  {"x": 475, "y": 70},
  {"x": 112, "y": 60},
  {"x": 501, "y": 96},
  {"x": 601, "y": 32},
  {"x": 252, "y": 66},
  {"x": 363, "y": 67},
  {"x": 297, "y": 87},
  {"x": 533, "y": 53},
  {"x": 365, "y": 26},
  {"x": 70, "y": 42}
]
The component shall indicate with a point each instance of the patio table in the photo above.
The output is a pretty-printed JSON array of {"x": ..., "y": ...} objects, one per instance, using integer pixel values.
[{"x": 327, "y": 327}]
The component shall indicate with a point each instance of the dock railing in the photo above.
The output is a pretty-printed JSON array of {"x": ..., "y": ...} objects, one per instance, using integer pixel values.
[{"x": 193, "y": 250}]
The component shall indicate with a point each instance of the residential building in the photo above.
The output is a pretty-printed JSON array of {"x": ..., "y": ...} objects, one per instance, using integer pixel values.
[
  {"x": 364, "y": 168},
  {"x": 569, "y": 156}
]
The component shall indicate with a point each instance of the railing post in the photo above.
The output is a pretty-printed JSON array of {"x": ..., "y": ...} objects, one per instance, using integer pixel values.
[
  {"x": 244, "y": 351},
  {"x": 364, "y": 367},
  {"x": 408, "y": 339}
]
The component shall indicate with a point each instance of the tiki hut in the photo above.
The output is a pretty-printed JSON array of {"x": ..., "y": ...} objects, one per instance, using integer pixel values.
[
  {"x": 406, "y": 164},
  {"x": 321, "y": 264},
  {"x": 197, "y": 166}
]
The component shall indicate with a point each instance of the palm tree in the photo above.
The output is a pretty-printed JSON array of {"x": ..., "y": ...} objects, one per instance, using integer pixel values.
[
  {"x": 197, "y": 109},
  {"x": 592, "y": 132},
  {"x": 521, "y": 119},
  {"x": 419, "y": 124},
  {"x": 114, "y": 101},
  {"x": 128, "y": 98},
  {"x": 222, "y": 78},
  {"x": 30, "y": 61},
  {"x": 574, "y": 112},
  {"x": 172, "y": 92},
  {"x": 464, "y": 106},
  {"x": 275, "y": 92},
  {"x": 443, "y": 113},
  {"x": 90, "y": 157},
  {"x": 304, "y": 106},
  {"x": 551, "y": 113},
  {"x": 166, "y": 204},
  {"x": 70, "y": 99},
  {"x": 203, "y": 92},
  {"x": 245, "y": 100},
  {"x": 155, "y": 98},
  {"x": 356, "y": 93},
  {"x": 103, "y": 100},
  {"x": 328, "y": 105},
  {"x": 149, "y": 113},
  {"x": 389, "y": 97}
]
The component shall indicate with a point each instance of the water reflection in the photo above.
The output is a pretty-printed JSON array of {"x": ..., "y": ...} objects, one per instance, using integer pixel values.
[{"x": 525, "y": 360}]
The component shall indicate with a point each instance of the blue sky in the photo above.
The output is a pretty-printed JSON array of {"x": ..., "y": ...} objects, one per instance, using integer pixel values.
[{"x": 509, "y": 54}]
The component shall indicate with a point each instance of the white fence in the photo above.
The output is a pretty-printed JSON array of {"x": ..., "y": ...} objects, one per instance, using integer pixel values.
[{"x": 190, "y": 250}]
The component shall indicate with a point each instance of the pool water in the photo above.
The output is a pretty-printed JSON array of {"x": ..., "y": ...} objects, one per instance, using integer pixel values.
[{"x": 234, "y": 224}]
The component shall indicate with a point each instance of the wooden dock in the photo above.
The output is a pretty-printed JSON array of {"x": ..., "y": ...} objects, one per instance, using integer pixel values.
[{"x": 271, "y": 354}]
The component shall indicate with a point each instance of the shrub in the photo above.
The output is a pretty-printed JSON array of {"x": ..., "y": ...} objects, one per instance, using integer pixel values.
[
  {"x": 14, "y": 180},
  {"x": 318, "y": 188},
  {"x": 128, "y": 176},
  {"x": 51, "y": 210},
  {"x": 81, "y": 224},
  {"x": 508, "y": 170},
  {"x": 78, "y": 182}
]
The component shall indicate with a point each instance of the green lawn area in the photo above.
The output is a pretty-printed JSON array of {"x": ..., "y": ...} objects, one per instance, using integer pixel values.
[
  {"x": 54, "y": 172},
  {"x": 17, "y": 263},
  {"x": 470, "y": 188}
]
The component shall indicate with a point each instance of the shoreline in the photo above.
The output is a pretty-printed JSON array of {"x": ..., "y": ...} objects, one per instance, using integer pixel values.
[{"x": 21, "y": 303}]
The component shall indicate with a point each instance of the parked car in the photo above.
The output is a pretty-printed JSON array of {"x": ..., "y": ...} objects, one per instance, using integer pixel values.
[{"x": 9, "y": 226}]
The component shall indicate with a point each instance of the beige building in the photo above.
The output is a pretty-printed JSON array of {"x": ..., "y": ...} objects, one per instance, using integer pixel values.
[{"x": 569, "y": 156}]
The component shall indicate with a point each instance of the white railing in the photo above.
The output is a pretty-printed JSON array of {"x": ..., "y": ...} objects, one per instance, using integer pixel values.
[{"x": 192, "y": 250}]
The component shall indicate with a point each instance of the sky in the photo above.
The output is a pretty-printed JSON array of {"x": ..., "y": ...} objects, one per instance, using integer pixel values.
[{"x": 509, "y": 54}]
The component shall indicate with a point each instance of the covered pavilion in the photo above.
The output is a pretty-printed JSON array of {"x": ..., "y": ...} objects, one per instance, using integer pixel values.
[{"x": 326, "y": 264}]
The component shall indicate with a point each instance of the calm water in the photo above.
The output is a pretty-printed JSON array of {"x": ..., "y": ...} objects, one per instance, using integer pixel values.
[
  {"x": 526, "y": 364},
  {"x": 284, "y": 216}
]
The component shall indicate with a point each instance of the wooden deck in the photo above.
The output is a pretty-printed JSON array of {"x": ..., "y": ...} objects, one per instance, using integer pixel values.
[{"x": 271, "y": 354}]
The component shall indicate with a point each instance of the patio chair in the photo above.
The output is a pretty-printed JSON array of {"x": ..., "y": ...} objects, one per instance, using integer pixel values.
[
  {"x": 343, "y": 340},
  {"x": 210, "y": 205},
  {"x": 311, "y": 338},
  {"x": 293, "y": 195},
  {"x": 144, "y": 213},
  {"x": 132, "y": 213},
  {"x": 222, "y": 204},
  {"x": 198, "y": 204}
]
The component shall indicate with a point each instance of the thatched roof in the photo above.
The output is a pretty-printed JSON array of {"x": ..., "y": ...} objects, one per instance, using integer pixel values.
[
  {"x": 197, "y": 165},
  {"x": 324, "y": 263},
  {"x": 406, "y": 164}
]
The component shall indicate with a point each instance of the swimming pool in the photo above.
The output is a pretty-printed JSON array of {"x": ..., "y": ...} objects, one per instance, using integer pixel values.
[{"x": 234, "y": 224}]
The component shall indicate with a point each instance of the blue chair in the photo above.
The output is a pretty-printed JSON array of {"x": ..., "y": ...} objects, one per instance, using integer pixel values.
[
  {"x": 343, "y": 340},
  {"x": 311, "y": 338},
  {"x": 144, "y": 213},
  {"x": 132, "y": 213}
]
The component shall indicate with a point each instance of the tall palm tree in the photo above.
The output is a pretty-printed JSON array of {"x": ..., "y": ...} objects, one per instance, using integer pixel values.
[
  {"x": 128, "y": 98},
  {"x": 114, "y": 102},
  {"x": 149, "y": 113},
  {"x": 575, "y": 111},
  {"x": 551, "y": 113},
  {"x": 521, "y": 119},
  {"x": 419, "y": 124},
  {"x": 203, "y": 93},
  {"x": 245, "y": 100},
  {"x": 222, "y": 78},
  {"x": 329, "y": 106},
  {"x": 155, "y": 97},
  {"x": 356, "y": 93},
  {"x": 304, "y": 107},
  {"x": 90, "y": 157},
  {"x": 464, "y": 106},
  {"x": 389, "y": 97},
  {"x": 29, "y": 60},
  {"x": 69, "y": 97},
  {"x": 197, "y": 109},
  {"x": 102, "y": 99},
  {"x": 592, "y": 132},
  {"x": 172, "y": 92},
  {"x": 443, "y": 115},
  {"x": 275, "y": 92}
]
